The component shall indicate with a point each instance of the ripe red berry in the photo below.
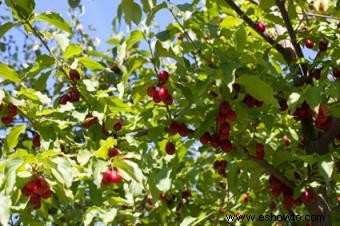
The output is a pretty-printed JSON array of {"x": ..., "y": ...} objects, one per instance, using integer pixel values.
[
  {"x": 163, "y": 76},
  {"x": 173, "y": 128},
  {"x": 74, "y": 95},
  {"x": 186, "y": 194},
  {"x": 336, "y": 72},
  {"x": 118, "y": 126},
  {"x": 245, "y": 198},
  {"x": 168, "y": 100},
  {"x": 35, "y": 201},
  {"x": 307, "y": 195},
  {"x": 12, "y": 110},
  {"x": 111, "y": 176},
  {"x": 64, "y": 99},
  {"x": 309, "y": 43},
  {"x": 231, "y": 116},
  {"x": 323, "y": 44},
  {"x": 163, "y": 93},
  {"x": 36, "y": 140},
  {"x": 74, "y": 75},
  {"x": 113, "y": 152},
  {"x": 90, "y": 120},
  {"x": 316, "y": 73},
  {"x": 115, "y": 178},
  {"x": 321, "y": 7},
  {"x": 6, "y": 120},
  {"x": 311, "y": 6},
  {"x": 214, "y": 141},
  {"x": 205, "y": 138},
  {"x": 288, "y": 201},
  {"x": 261, "y": 27},
  {"x": 226, "y": 146},
  {"x": 151, "y": 91},
  {"x": 182, "y": 129},
  {"x": 170, "y": 148},
  {"x": 286, "y": 140},
  {"x": 259, "y": 151},
  {"x": 156, "y": 97},
  {"x": 224, "y": 108}
]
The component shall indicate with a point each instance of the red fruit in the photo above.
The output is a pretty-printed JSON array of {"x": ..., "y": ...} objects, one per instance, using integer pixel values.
[
  {"x": 316, "y": 73},
  {"x": 151, "y": 91},
  {"x": 162, "y": 197},
  {"x": 224, "y": 108},
  {"x": 216, "y": 164},
  {"x": 36, "y": 140},
  {"x": 163, "y": 93},
  {"x": 288, "y": 201},
  {"x": 6, "y": 120},
  {"x": 261, "y": 27},
  {"x": 220, "y": 119},
  {"x": 223, "y": 136},
  {"x": 215, "y": 141},
  {"x": 338, "y": 199},
  {"x": 297, "y": 202},
  {"x": 286, "y": 140},
  {"x": 309, "y": 43},
  {"x": 231, "y": 116},
  {"x": 12, "y": 110},
  {"x": 336, "y": 72},
  {"x": 205, "y": 138},
  {"x": 118, "y": 126},
  {"x": 321, "y": 7},
  {"x": 168, "y": 100},
  {"x": 226, "y": 146},
  {"x": 28, "y": 189},
  {"x": 276, "y": 192},
  {"x": 64, "y": 99},
  {"x": 323, "y": 44},
  {"x": 182, "y": 129},
  {"x": 186, "y": 194},
  {"x": 311, "y": 6},
  {"x": 35, "y": 201},
  {"x": 260, "y": 155},
  {"x": 170, "y": 148},
  {"x": 173, "y": 128},
  {"x": 44, "y": 189},
  {"x": 245, "y": 198},
  {"x": 156, "y": 98},
  {"x": 163, "y": 76},
  {"x": 113, "y": 152},
  {"x": 74, "y": 95},
  {"x": 74, "y": 75},
  {"x": 115, "y": 177},
  {"x": 149, "y": 201},
  {"x": 283, "y": 104},
  {"x": 90, "y": 120},
  {"x": 225, "y": 128},
  {"x": 105, "y": 131},
  {"x": 249, "y": 100},
  {"x": 307, "y": 195},
  {"x": 259, "y": 147}
]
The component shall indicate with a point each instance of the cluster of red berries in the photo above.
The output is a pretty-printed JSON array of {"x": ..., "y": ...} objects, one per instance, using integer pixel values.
[
  {"x": 11, "y": 113},
  {"x": 74, "y": 94},
  {"x": 111, "y": 176},
  {"x": 304, "y": 112},
  {"x": 174, "y": 128},
  {"x": 321, "y": 6},
  {"x": 250, "y": 101},
  {"x": 221, "y": 139},
  {"x": 278, "y": 188},
  {"x": 36, "y": 140},
  {"x": 161, "y": 93},
  {"x": 220, "y": 166},
  {"x": 36, "y": 188},
  {"x": 323, "y": 44}
]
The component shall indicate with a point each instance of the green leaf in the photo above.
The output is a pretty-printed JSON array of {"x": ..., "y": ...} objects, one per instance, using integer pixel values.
[
  {"x": 72, "y": 50},
  {"x": 132, "y": 11},
  {"x": 326, "y": 167},
  {"x": 83, "y": 156},
  {"x": 134, "y": 37},
  {"x": 126, "y": 169},
  {"x": 240, "y": 39},
  {"x": 163, "y": 180},
  {"x": 56, "y": 20},
  {"x": 91, "y": 64},
  {"x": 22, "y": 8},
  {"x": 8, "y": 73},
  {"x": 5, "y": 209},
  {"x": 12, "y": 138},
  {"x": 334, "y": 110},
  {"x": 258, "y": 89},
  {"x": 64, "y": 167},
  {"x": 73, "y": 3},
  {"x": 313, "y": 96},
  {"x": 12, "y": 164},
  {"x": 229, "y": 22},
  {"x": 5, "y": 27},
  {"x": 104, "y": 148}
]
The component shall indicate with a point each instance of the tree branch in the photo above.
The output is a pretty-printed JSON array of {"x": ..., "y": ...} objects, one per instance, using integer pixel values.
[
  {"x": 320, "y": 146},
  {"x": 281, "y": 5}
]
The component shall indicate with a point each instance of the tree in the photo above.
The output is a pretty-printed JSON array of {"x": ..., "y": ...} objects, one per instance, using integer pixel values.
[{"x": 224, "y": 112}]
